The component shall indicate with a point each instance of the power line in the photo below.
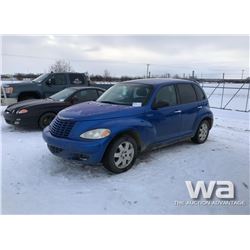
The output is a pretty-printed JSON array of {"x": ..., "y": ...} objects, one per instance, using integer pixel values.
[
  {"x": 169, "y": 66},
  {"x": 71, "y": 59},
  {"x": 175, "y": 68}
]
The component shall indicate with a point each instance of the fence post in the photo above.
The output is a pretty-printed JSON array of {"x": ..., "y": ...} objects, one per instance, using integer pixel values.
[
  {"x": 247, "y": 96},
  {"x": 223, "y": 87}
]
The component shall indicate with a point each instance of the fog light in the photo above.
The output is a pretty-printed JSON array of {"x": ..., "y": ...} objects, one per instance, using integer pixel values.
[{"x": 83, "y": 157}]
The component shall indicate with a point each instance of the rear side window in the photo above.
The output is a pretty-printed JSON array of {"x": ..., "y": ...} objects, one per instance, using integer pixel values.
[
  {"x": 76, "y": 79},
  {"x": 187, "y": 93},
  {"x": 86, "y": 95},
  {"x": 166, "y": 96},
  {"x": 199, "y": 92}
]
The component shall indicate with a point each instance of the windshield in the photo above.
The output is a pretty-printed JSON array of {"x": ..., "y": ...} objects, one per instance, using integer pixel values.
[
  {"x": 40, "y": 78},
  {"x": 62, "y": 95},
  {"x": 127, "y": 94}
]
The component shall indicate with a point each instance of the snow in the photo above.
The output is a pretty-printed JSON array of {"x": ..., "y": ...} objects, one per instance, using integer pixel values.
[{"x": 36, "y": 182}]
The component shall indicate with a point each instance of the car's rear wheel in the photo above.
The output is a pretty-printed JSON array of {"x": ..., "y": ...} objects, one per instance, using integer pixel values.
[
  {"x": 120, "y": 155},
  {"x": 46, "y": 119},
  {"x": 201, "y": 133}
]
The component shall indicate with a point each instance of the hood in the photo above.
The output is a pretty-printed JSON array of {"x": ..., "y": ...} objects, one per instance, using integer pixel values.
[
  {"x": 16, "y": 83},
  {"x": 33, "y": 103},
  {"x": 98, "y": 111}
]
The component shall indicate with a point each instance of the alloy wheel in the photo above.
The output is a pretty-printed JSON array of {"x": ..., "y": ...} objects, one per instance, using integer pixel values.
[
  {"x": 203, "y": 131},
  {"x": 124, "y": 154}
]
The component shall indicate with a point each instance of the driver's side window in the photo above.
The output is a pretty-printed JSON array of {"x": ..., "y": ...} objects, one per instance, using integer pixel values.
[
  {"x": 166, "y": 97},
  {"x": 57, "y": 79}
]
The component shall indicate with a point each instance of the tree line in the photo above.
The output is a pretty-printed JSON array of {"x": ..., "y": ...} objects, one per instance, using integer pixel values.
[{"x": 92, "y": 77}]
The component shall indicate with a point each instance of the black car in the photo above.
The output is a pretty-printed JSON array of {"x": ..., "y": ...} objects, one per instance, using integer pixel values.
[{"x": 39, "y": 113}]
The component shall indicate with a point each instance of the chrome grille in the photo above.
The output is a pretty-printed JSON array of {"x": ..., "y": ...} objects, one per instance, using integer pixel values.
[{"x": 61, "y": 128}]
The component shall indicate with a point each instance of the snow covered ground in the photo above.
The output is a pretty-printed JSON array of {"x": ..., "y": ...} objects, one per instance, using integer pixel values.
[{"x": 36, "y": 182}]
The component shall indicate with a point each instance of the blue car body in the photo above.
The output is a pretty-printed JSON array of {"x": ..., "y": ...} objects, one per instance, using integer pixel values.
[{"x": 150, "y": 127}]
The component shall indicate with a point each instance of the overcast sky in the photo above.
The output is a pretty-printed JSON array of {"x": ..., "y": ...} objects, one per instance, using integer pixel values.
[{"x": 128, "y": 55}]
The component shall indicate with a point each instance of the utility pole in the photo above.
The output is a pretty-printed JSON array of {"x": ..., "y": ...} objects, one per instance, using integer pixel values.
[
  {"x": 223, "y": 76},
  {"x": 193, "y": 74},
  {"x": 242, "y": 73},
  {"x": 147, "y": 70}
]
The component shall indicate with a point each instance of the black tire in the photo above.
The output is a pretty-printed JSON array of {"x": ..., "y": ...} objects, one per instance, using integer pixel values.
[
  {"x": 128, "y": 157},
  {"x": 202, "y": 132},
  {"x": 46, "y": 119}
]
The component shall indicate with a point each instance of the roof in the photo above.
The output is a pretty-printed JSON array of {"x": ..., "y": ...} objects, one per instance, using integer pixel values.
[
  {"x": 159, "y": 81},
  {"x": 65, "y": 73},
  {"x": 85, "y": 87}
]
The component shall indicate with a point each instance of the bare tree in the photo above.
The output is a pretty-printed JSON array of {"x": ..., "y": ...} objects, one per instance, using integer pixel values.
[
  {"x": 61, "y": 66},
  {"x": 106, "y": 73}
]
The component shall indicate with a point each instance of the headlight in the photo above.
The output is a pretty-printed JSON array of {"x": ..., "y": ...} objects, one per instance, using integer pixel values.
[
  {"x": 96, "y": 133},
  {"x": 8, "y": 90},
  {"x": 22, "y": 111}
]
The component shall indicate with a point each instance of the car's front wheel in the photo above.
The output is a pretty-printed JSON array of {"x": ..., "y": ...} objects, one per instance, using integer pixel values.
[
  {"x": 120, "y": 155},
  {"x": 46, "y": 119},
  {"x": 202, "y": 132}
]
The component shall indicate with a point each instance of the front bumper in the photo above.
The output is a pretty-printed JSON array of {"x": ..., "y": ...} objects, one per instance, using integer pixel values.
[
  {"x": 20, "y": 120},
  {"x": 88, "y": 151}
]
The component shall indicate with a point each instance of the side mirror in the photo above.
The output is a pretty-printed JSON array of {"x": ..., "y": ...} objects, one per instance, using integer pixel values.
[
  {"x": 74, "y": 100},
  {"x": 49, "y": 82},
  {"x": 160, "y": 104}
]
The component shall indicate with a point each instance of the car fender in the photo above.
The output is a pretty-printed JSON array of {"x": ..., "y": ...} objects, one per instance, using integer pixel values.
[
  {"x": 206, "y": 114},
  {"x": 143, "y": 129}
]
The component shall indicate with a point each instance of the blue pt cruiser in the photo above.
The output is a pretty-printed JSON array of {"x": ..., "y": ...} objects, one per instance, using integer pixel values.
[{"x": 129, "y": 118}]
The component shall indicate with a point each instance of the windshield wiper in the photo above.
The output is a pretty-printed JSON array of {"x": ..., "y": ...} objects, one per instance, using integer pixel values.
[{"x": 108, "y": 102}]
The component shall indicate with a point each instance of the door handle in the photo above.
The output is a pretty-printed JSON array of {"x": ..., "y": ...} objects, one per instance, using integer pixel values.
[
  {"x": 177, "y": 111},
  {"x": 200, "y": 107}
]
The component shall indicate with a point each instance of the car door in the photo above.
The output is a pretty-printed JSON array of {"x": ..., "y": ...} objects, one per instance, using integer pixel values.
[
  {"x": 201, "y": 97},
  {"x": 85, "y": 96},
  {"x": 189, "y": 107},
  {"x": 54, "y": 84},
  {"x": 166, "y": 116}
]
